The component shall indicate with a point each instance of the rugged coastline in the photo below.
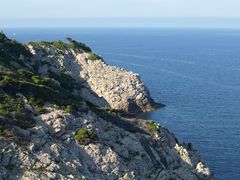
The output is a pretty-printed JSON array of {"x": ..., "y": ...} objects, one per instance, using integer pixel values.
[{"x": 87, "y": 139}]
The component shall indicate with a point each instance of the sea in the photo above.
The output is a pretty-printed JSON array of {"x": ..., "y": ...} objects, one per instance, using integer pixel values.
[{"x": 194, "y": 72}]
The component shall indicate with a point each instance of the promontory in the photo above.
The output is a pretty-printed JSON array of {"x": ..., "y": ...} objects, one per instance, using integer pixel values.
[{"x": 63, "y": 115}]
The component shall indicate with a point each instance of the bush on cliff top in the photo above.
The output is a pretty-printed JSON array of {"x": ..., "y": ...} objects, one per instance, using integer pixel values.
[
  {"x": 75, "y": 45},
  {"x": 59, "y": 45},
  {"x": 78, "y": 46},
  {"x": 92, "y": 56}
]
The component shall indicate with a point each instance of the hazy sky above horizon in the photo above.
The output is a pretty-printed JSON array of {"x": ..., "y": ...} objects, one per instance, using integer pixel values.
[{"x": 51, "y": 12}]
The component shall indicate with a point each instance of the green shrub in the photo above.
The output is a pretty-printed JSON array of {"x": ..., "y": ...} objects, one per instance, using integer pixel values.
[
  {"x": 59, "y": 45},
  {"x": 104, "y": 112},
  {"x": 13, "y": 108},
  {"x": 152, "y": 126},
  {"x": 75, "y": 45},
  {"x": 38, "y": 105},
  {"x": 7, "y": 78},
  {"x": 36, "y": 80},
  {"x": 24, "y": 73},
  {"x": 69, "y": 109},
  {"x": 85, "y": 136},
  {"x": 78, "y": 46},
  {"x": 40, "y": 80},
  {"x": 93, "y": 56},
  {"x": 41, "y": 43}
]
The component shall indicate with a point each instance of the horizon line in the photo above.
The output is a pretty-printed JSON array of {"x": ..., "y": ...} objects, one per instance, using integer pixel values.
[{"x": 145, "y": 22}]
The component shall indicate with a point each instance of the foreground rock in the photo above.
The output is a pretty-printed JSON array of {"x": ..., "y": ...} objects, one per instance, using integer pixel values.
[{"x": 51, "y": 151}]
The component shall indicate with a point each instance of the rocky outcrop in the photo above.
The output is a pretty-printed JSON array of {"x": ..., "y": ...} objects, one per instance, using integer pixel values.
[
  {"x": 51, "y": 151},
  {"x": 104, "y": 85},
  {"x": 121, "y": 89}
]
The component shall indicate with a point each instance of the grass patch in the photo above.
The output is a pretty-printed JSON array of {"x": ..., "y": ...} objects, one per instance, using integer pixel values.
[{"x": 85, "y": 136}]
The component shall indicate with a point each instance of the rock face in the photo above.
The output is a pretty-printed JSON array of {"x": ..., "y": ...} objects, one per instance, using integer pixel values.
[
  {"x": 114, "y": 147},
  {"x": 109, "y": 86},
  {"x": 52, "y": 152},
  {"x": 121, "y": 89}
]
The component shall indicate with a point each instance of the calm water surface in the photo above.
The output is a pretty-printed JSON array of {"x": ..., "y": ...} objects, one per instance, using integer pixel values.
[{"x": 196, "y": 73}]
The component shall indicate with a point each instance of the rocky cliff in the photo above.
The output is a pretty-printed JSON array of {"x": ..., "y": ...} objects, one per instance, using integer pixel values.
[
  {"x": 60, "y": 118},
  {"x": 113, "y": 86}
]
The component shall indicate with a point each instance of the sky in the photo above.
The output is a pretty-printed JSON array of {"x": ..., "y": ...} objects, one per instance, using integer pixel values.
[{"x": 101, "y": 13}]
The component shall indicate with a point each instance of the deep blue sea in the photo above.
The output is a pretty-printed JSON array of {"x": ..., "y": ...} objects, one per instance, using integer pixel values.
[{"x": 195, "y": 72}]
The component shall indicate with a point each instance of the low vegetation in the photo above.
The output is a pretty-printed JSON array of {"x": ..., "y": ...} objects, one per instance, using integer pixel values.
[
  {"x": 108, "y": 109},
  {"x": 105, "y": 112},
  {"x": 69, "y": 109},
  {"x": 78, "y": 46},
  {"x": 92, "y": 56},
  {"x": 152, "y": 126},
  {"x": 12, "y": 51},
  {"x": 17, "y": 77},
  {"x": 12, "y": 107},
  {"x": 85, "y": 136},
  {"x": 60, "y": 45}
]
